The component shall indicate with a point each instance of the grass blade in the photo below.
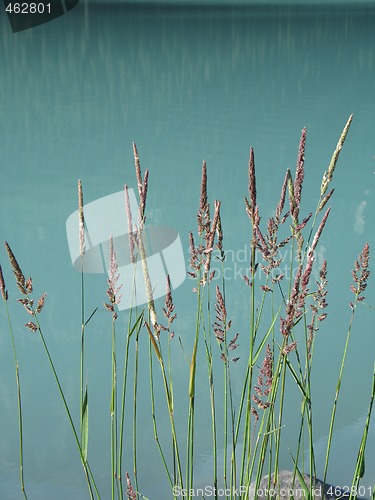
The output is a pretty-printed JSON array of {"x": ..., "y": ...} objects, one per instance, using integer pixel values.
[{"x": 85, "y": 425}]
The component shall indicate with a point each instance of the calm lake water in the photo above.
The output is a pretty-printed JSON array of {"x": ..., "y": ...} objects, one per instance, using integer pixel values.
[{"x": 185, "y": 84}]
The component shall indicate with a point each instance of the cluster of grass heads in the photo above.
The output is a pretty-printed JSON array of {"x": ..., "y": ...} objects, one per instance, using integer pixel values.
[{"x": 282, "y": 334}]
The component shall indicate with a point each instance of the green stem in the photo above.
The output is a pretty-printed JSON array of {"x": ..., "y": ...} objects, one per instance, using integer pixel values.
[
  {"x": 135, "y": 386},
  {"x": 156, "y": 435},
  {"x": 360, "y": 465},
  {"x": 82, "y": 348},
  {"x": 338, "y": 387},
  {"x": 19, "y": 402},
  {"x": 247, "y": 385},
  {"x": 113, "y": 413}
]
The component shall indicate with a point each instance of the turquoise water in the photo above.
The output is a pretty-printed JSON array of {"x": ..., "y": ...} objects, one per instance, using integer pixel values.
[{"x": 186, "y": 85}]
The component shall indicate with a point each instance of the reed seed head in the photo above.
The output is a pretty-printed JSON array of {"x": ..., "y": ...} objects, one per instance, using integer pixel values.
[
  {"x": 168, "y": 308},
  {"x": 143, "y": 198},
  {"x": 300, "y": 169},
  {"x": 40, "y": 303},
  {"x": 130, "y": 225},
  {"x": 325, "y": 200},
  {"x": 327, "y": 177},
  {"x": 290, "y": 347},
  {"x": 130, "y": 491},
  {"x": 281, "y": 203},
  {"x": 252, "y": 181},
  {"x": 28, "y": 304},
  {"x": 4, "y": 291},
  {"x": 361, "y": 272},
  {"x": 210, "y": 238},
  {"x": 254, "y": 413},
  {"x": 320, "y": 230},
  {"x": 203, "y": 216},
  {"x": 32, "y": 326},
  {"x": 194, "y": 261},
  {"x": 251, "y": 204},
  {"x": 147, "y": 281},
  {"x": 292, "y": 200},
  {"x": 264, "y": 381},
  {"x": 294, "y": 305},
  {"x": 203, "y": 197},
  {"x": 137, "y": 169},
  {"x": 219, "y": 245},
  {"x": 23, "y": 285},
  {"x": 232, "y": 345},
  {"x": 307, "y": 272},
  {"x": 142, "y": 185},
  {"x": 320, "y": 303},
  {"x": 220, "y": 324},
  {"x": 81, "y": 221},
  {"x": 113, "y": 289}
]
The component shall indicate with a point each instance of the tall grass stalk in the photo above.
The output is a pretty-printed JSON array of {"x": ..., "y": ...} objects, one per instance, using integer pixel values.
[
  {"x": 228, "y": 396},
  {"x": 4, "y": 294},
  {"x": 178, "y": 480},
  {"x": 83, "y": 408},
  {"x": 113, "y": 412},
  {"x": 131, "y": 328},
  {"x": 114, "y": 299},
  {"x": 84, "y": 429},
  {"x": 213, "y": 414},
  {"x": 360, "y": 276},
  {"x": 170, "y": 476},
  {"x": 154, "y": 333},
  {"x": 135, "y": 392},
  {"x": 135, "y": 328},
  {"x": 360, "y": 464}
]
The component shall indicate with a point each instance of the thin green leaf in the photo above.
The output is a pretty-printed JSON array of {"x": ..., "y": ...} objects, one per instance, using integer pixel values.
[
  {"x": 91, "y": 315},
  {"x": 136, "y": 324},
  {"x": 192, "y": 370},
  {"x": 306, "y": 489},
  {"x": 85, "y": 425},
  {"x": 264, "y": 340},
  {"x": 183, "y": 350},
  {"x": 153, "y": 342},
  {"x": 361, "y": 463},
  {"x": 297, "y": 380}
]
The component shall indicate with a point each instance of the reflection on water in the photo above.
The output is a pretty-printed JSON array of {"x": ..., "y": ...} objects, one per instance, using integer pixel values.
[
  {"x": 346, "y": 445},
  {"x": 186, "y": 86}
]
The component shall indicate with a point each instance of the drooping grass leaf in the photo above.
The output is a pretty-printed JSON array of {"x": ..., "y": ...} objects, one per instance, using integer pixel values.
[
  {"x": 153, "y": 342},
  {"x": 136, "y": 324},
  {"x": 192, "y": 370},
  {"x": 91, "y": 315},
  {"x": 306, "y": 489},
  {"x": 297, "y": 380},
  {"x": 264, "y": 340},
  {"x": 85, "y": 425}
]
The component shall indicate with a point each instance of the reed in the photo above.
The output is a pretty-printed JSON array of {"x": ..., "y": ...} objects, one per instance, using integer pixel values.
[
  {"x": 83, "y": 391},
  {"x": 4, "y": 294},
  {"x": 360, "y": 275}
]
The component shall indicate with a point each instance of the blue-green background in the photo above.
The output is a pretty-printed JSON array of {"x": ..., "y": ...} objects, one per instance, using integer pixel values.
[{"x": 186, "y": 84}]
